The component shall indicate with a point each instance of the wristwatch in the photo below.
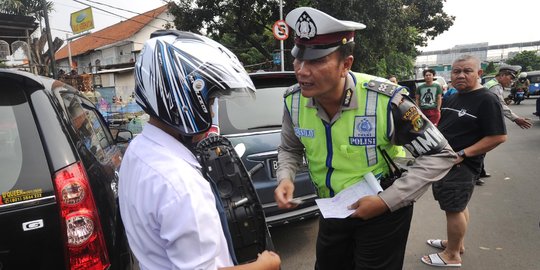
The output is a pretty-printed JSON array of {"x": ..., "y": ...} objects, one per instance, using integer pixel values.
[{"x": 461, "y": 153}]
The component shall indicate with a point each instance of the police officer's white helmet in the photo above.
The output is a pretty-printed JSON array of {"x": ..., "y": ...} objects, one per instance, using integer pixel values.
[
  {"x": 522, "y": 75},
  {"x": 177, "y": 75}
]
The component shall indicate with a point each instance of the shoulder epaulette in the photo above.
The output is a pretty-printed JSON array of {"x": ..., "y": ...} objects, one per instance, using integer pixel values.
[
  {"x": 293, "y": 89},
  {"x": 386, "y": 88}
]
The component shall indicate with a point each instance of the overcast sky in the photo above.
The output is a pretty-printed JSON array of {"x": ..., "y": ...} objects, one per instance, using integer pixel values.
[{"x": 493, "y": 21}]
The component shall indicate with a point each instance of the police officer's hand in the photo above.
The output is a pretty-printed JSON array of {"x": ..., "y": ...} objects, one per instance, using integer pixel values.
[
  {"x": 523, "y": 122},
  {"x": 368, "y": 207},
  {"x": 284, "y": 194}
]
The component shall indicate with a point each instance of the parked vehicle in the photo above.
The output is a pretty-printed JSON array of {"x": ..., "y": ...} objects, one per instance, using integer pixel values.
[
  {"x": 534, "y": 79},
  {"x": 58, "y": 193},
  {"x": 411, "y": 86},
  {"x": 442, "y": 82},
  {"x": 256, "y": 123}
]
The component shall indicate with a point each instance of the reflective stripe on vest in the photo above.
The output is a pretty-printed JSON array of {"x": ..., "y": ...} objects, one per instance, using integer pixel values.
[{"x": 491, "y": 83}]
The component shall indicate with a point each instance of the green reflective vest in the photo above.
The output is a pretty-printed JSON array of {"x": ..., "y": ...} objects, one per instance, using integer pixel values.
[
  {"x": 491, "y": 83},
  {"x": 340, "y": 154}
]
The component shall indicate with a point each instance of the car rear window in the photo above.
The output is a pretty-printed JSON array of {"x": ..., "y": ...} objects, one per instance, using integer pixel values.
[
  {"x": 23, "y": 165},
  {"x": 244, "y": 114}
]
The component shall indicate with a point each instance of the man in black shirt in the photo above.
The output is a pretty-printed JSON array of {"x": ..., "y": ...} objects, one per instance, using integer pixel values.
[{"x": 473, "y": 123}]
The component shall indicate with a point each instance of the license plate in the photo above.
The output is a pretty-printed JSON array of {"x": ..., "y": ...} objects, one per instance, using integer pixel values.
[
  {"x": 273, "y": 166},
  {"x": 272, "y": 162}
]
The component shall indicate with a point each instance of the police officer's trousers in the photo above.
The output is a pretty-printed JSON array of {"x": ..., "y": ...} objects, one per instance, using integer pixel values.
[{"x": 355, "y": 244}]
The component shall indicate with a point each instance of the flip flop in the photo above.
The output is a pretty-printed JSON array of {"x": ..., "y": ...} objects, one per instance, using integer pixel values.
[
  {"x": 437, "y": 243},
  {"x": 436, "y": 260}
]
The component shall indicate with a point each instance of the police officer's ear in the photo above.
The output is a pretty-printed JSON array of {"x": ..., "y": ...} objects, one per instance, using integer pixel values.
[{"x": 347, "y": 65}]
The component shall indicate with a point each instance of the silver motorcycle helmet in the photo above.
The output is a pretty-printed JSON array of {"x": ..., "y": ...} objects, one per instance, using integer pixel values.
[{"x": 178, "y": 74}]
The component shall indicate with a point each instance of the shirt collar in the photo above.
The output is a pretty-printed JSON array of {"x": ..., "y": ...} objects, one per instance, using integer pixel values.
[{"x": 167, "y": 141}]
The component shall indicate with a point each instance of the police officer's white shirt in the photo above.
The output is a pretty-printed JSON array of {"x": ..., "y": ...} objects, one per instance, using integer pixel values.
[{"x": 167, "y": 207}]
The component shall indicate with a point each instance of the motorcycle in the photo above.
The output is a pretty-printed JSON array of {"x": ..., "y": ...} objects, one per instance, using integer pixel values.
[{"x": 519, "y": 96}]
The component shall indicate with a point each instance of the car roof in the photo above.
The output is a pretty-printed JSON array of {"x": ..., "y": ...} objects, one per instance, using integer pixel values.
[{"x": 533, "y": 73}]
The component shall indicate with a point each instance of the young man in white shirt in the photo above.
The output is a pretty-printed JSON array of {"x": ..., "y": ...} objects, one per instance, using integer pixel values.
[{"x": 167, "y": 206}]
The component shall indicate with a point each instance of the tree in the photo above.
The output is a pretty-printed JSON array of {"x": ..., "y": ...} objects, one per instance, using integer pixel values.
[
  {"x": 528, "y": 60},
  {"x": 25, "y": 7},
  {"x": 490, "y": 69},
  {"x": 40, "y": 57},
  {"x": 387, "y": 46}
]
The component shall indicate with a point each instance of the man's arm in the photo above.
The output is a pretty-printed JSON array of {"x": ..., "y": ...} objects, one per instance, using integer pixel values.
[
  {"x": 439, "y": 98},
  {"x": 484, "y": 145},
  {"x": 507, "y": 112},
  {"x": 290, "y": 153},
  {"x": 434, "y": 158}
]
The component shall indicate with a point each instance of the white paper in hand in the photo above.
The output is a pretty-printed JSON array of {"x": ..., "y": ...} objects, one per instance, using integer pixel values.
[{"x": 336, "y": 207}]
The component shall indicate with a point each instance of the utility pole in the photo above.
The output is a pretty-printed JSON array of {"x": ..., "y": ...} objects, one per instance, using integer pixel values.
[
  {"x": 49, "y": 38},
  {"x": 281, "y": 41}
]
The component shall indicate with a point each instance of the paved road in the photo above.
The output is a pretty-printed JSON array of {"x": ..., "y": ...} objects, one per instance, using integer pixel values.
[{"x": 504, "y": 232}]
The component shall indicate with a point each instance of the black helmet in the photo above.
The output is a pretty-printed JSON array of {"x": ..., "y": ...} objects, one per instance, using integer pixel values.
[{"x": 177, "y": 75}]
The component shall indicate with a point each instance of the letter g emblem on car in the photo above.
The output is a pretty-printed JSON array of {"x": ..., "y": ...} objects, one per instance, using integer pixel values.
[{"x": 32, "y": 225}]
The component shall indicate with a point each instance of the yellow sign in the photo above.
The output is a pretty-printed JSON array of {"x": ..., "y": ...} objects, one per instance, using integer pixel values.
[{"x": 82, "y": 20}]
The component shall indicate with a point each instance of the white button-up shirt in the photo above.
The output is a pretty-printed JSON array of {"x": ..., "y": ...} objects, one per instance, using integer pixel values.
[{"x": 167, "y": 207}]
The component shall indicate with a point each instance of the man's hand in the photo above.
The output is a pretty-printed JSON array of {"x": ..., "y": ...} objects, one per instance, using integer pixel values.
[
  {"x": 368, "y": 207},
  {"x": 284, "y": 194},
  {"x": 523, "y": 123},
  {"x": 268, "y": 260}
]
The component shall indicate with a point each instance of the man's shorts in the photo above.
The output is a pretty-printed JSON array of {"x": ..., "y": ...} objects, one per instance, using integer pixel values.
[
  {"x": 433, "y": 115},
  {"x": 454, "y": 190}
]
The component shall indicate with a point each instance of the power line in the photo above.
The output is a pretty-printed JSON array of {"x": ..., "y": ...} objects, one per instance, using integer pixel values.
[
  {"x": 130, "y": 19},
  {"x": 107, "y": 5}
]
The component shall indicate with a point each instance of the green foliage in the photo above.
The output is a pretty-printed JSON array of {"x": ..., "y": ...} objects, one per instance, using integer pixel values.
[
  {"x": 394, "y": 28},
  {"x": 387, "y": 46},
  {"x": 490, "y": 69},
  {"x": 24, "y": 7},
  {"x": 528, "y": 60}
]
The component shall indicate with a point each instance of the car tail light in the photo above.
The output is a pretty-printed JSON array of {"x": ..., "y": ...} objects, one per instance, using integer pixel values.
[{"x": 84, "y": 241}]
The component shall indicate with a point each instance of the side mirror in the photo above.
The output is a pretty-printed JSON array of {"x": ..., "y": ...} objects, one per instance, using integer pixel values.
[{"x": 123, "y": 136}]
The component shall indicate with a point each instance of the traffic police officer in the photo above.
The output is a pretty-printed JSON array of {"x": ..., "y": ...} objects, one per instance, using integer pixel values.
[
  {"x": 345, "y": 123},
  {"x": 504, "y": 78}
]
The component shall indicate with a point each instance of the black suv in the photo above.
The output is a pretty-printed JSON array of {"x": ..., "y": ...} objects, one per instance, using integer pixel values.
[{"x": 58, "y": 192}]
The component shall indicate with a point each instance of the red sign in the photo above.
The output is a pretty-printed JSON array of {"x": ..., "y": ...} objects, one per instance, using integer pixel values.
[{"x": 280, "y": 30}]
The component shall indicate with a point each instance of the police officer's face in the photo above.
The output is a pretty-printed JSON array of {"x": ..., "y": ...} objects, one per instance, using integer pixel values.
[
  {"x": 506, "y": 80},
  {"x": 322, "y": 76},
  {"x": 465, "y": 75}
]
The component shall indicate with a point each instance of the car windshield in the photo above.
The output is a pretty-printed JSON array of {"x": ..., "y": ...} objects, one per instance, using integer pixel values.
[{"x": 245, "y": 114}]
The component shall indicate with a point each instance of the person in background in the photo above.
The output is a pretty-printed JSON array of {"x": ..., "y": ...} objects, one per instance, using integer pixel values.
[
  {"x": 473, "y": 124},
  {"x": 429, "y": 97},
  {"x": 451, "y": 90},
  {"x": 521, "y": 84},
  {"x": 393, "y": 79},
  {"x": 344, "y": 123},
  {"x": 169, "y": 210},
  {"x": 504, "y": 78}
]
